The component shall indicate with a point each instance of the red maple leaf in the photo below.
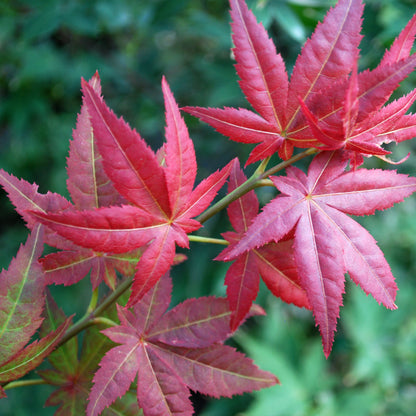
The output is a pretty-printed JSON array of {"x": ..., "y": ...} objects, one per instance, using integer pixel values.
[
  {"x": 274, "y": 261},
  {"x": 172, "y": 352},
  {"x": 343, "y": 111},
  {"x": 327, "y": 242},
  {"x": 162, "y": 198}
]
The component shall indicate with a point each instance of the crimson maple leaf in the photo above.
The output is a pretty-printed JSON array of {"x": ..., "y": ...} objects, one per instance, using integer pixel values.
[
  {"x": 162, "y": 198},
  {"x": 274, "y": 262},
  {"x": 172, "y": 352},
  {"x": 327, "y": 242},
  {"x": 343, "y": 111}
]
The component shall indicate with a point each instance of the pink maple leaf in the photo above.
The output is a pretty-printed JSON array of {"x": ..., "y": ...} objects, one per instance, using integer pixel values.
[
  {"x": 172, "y": 352},
  {"x": 327, "y": 242}
]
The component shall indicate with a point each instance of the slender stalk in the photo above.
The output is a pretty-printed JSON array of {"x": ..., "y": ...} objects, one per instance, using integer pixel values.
[
  {"x": 247, "y": 186},
  {"x": 101, "y": 320},
  {"x": 93, "y": 301},
  {"x": 22, "y": 383},
  {"x": 208, "y": 240},
  {"x": 264, "y": 182},
  {"x": 263, "y": 165},
  {"x": 110, "y": 299}
]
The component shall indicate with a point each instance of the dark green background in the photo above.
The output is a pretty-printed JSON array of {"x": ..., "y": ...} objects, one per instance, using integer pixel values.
[{"x": 46, "y": 46}]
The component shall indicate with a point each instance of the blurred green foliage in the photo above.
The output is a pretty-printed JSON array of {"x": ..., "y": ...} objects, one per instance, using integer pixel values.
[{"x": 46, "y": 46}]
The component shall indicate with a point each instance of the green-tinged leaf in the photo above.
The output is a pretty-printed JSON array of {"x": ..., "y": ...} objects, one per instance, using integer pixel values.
[
  {"x": 21, "y": 297},
  {"x": 73, "y": 376},
  {"x": 125, "y": 406},
  {"x": 25, "y": 196},
  {"x": 30, "y": 357},
  {"x": 65, "y": 357}
]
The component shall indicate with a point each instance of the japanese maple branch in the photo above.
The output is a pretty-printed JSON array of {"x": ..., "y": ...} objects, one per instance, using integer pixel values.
[
  {"x": 209, "y": 240},
  {"x": 92, "y": 316},
  {"x": 250, "y": 184},
  {"x": 22, "y": 383}
]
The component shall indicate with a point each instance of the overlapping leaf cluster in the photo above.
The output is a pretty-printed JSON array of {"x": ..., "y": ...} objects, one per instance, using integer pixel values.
[
  {"x": 132, "y": 206},
  {"x": 326, "y": 105}
]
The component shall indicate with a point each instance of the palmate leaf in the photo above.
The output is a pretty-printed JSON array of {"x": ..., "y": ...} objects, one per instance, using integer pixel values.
[
  {"x": 402, "y": 45},
  {"x": 74, "y": 262},
  {"x": 329, "y": 111},
  {"x": 70, "y": 266},
  {"x": 327, "y": 56},
  {"x": 87, "y": 182},
  {"x": 371, "y": 124},
  {"x": 326, "y": 104},
  {"x": 274, "y": 262},
  {"x": 163, "y": 202},
  {"x": 31, "y": 356},
  {"x": 327, "y": 242},
  {"x": 172, "y": 352}
]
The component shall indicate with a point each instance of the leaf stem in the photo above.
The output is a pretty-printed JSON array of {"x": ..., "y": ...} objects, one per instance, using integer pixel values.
[
  {"x": 200, "y": 239},
  {"x": 22, "y": 383},
  {"x": 93, "y": 301},
  {"x": 264, "y": 182},
  {"x": 101, "y": 320},
  {"x": 263, "y": 165}
]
